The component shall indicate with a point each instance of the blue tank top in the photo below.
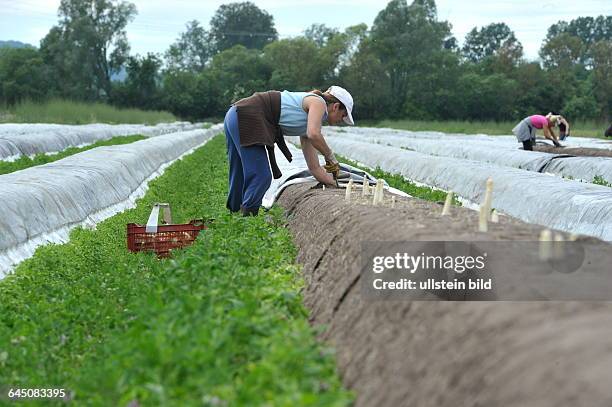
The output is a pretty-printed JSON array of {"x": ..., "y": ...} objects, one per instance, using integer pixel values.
[{"x": 293, "y": 119}]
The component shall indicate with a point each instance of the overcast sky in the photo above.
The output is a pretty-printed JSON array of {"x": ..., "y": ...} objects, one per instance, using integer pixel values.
[{"x": 159, "y": 22}]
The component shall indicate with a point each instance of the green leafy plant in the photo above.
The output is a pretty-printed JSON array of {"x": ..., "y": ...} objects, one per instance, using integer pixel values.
[
  {"x": 220, "y": 324},
  {"x": 600, "y": 180},
  {"x": 399, "y": 182}
]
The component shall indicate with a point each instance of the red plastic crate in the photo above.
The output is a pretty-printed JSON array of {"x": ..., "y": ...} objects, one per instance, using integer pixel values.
[{"x": 166, "y": 237}]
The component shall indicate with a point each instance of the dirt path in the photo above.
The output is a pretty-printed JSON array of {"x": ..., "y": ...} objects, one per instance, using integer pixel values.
[
  {"x": 577, "y": 151},
  {"x": 428, "y": 353}
]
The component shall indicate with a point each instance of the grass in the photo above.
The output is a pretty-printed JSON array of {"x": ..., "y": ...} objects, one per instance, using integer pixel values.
[
  {"x": 578, "y": 129},
  {"x": 70, "y": 112},
  {"x": 399, "y": 182},
  {"x": 221, "y": 324},
  {"x": 24, "y": 162},
  {"x": 599, "y": 180}
]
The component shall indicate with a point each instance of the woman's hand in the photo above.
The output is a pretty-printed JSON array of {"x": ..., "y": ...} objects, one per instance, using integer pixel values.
[
  {"x": 333, "y": 167},
  {"x": 323, "y": 177},
  {"x": 550, "y": 134},
  {"x": 312, "y": 160}
]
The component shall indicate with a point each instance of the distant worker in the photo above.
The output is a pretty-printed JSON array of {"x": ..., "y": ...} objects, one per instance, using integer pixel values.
[
  {"x": 254, "y": 124},
  {"x": 564, "y": 130},
  {"x": 525, "y": 131},
  {"x": 609, "y": 132}
]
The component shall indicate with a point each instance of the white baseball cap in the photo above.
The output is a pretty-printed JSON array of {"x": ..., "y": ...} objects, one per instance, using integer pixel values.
[{"x": 347, "y": 100}]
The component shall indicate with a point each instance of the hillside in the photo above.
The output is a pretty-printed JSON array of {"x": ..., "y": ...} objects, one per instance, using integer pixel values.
[{"x": 14, "y": 44}]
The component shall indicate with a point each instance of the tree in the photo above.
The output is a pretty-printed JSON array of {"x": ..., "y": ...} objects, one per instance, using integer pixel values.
[
  {"x": 535, "y": 92},
  {"x": 141, "y": 88},
  {"x": 88, "y": 45},
  {"x": 583, "y": 104},
  {"x": 22, "y": 75},
  {"x": 238, "y": 72},
  {"x": 191, "y": 51},
  {"x": 435, "y": 93},
  {"x": 355, "y": 35},
  {"x": 320, "y": 34},
  {"x": 368, "y": 81},
  {"x": 242, "y": 23},
  {"x": 602, "y": 75},
  {"x": 302, "y": 63},
  {"x": 179, "y": 96},
  {"x": 586, "y": 31},
  {"x": 492, "y": 40},
  {"x": 332, "y": 56},
  {"x": 488, "y": 97},
  {"x": 70, "y": 81},
  {"x": 406, "y": 40},
  {"x": 294, "y": 63},
  {"x": 562, "y": 51}
]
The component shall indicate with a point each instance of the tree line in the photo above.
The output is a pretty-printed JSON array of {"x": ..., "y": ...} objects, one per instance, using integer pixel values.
[{"x": 407, "y": 64}]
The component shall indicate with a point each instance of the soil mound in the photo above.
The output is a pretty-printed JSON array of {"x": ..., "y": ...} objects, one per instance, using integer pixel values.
[
  {"x": 577, "y": 151},
  {"x": 430, "y": 353}
]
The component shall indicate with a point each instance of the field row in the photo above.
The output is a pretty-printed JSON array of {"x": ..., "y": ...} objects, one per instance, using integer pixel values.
[
  {"x": 440, "y": 161},
  {"x": 42, "y": 204},
  {"x": 222, "y": 323},
  {"x": 18, "y": 140}
]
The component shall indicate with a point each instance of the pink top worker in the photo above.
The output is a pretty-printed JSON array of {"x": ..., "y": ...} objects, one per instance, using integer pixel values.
[{"x": 525, "y": 131}]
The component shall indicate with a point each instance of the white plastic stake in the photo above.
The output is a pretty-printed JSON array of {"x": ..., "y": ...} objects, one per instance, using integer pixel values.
[
  {"x": 482, "y": 219},
  {"x": 375, "y": 195},
  {"x": 378, "y": 192},
  {"x": 494, "y": 216},
  {"x": 447, "y": 203},
  {"x": 366, "y": 183},
  {"x": 559, "y": 246},
  {"x": 381, "y": 192},
  {"x": 324, "y": 187},
  {"x": 393, "y": 201},
  {"x": 488, "y": 201},
  {"x": 545, "y": 251},
  {"x": 349, "y": 190}
]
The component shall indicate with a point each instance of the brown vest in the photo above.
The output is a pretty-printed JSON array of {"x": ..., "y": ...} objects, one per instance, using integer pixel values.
[{"x": 258, "y": 117}]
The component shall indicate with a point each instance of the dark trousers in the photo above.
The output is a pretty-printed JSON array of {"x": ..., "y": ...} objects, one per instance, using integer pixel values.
[{"x": 249, "y": 173}]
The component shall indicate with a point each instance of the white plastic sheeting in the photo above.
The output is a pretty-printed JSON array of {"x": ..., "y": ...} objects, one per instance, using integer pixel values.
[
  {"x": 30, "y": 139},
  {"x": 42, "y": 204},
  {"x": 508, "y": 141},
  {"x": 298, "y": 165},
  {"x": 571, "y": 206},
  {"x": 503, "y": 154},
  {"x": 289, "y": 169}
]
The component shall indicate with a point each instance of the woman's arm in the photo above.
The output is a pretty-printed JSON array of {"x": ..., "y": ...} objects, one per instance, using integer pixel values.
[
  {"x": 549, "y": 133},
  {"x": 315, "y": 108},
  {"x": 312, "y": 160}
]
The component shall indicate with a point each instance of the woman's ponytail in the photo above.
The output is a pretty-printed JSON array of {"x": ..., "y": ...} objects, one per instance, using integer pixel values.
[{"x": 329, "y": 99}]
